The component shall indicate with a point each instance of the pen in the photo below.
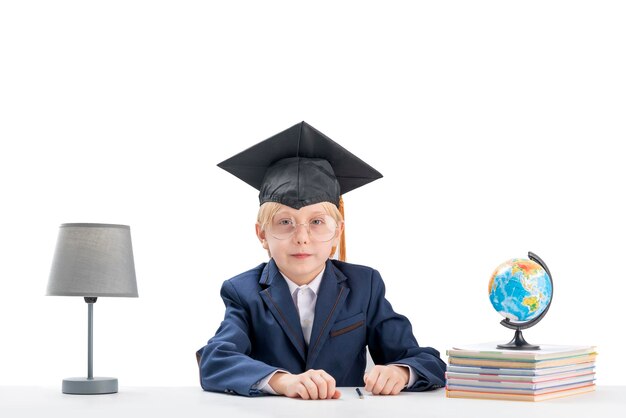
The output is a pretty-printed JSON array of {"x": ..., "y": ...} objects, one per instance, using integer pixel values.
[{"x": 358, "y": 391}]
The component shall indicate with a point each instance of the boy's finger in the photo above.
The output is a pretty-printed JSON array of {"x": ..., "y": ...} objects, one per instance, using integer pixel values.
[
  {"x": 369, "y": 382},
  {"x": 397, "y": 388},
  {"x": 302, "y": 392},
  {"x": 388, "y": 388},
  {"x": 322, "y": 386},
  {"x": 337, "y": 395},
  {"x": 372, "y": 377},
  {"x": 366, "y": 379},
  {"x": 380, "y": 384},
  {"x": 330, "y": 384},
  {"x": 311, "y": 387}
]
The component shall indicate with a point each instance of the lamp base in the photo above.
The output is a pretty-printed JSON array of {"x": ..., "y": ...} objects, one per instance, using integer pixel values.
[{"x": 86, "y": 386}]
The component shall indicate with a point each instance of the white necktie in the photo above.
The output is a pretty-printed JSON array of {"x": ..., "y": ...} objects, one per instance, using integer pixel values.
[{"x": 305, "y": 298}]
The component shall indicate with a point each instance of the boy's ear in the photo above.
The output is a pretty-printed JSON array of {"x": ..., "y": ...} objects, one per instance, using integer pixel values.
[
  {"x": 261, "y": 235},
  {"x": 337, "y": 238},
  {"x": 342, "y": 225}
]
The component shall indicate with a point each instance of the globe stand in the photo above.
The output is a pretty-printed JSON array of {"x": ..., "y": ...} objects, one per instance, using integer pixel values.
[{"x": 518, "y": 342}]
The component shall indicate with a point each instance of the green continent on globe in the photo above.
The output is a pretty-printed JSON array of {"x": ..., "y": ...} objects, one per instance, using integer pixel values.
[
  {"x": 532, "y": 303},
  {"x": 520, "y": 290}
]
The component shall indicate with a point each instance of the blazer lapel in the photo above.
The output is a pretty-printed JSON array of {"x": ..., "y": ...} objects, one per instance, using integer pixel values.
[
  {"x": 278, "y": 300},
  {"x": 330, "y": 299}
]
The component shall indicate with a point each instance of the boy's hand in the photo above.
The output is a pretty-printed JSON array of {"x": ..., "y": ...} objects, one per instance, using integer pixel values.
[
  {"x": 386, "y": 380},
  {"x": 312, "y": 384}
]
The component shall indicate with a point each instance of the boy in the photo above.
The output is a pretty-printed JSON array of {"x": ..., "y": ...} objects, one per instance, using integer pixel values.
[{"x": 299, "y": 325}]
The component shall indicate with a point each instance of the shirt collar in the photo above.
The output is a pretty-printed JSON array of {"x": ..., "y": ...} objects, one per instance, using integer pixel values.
[{"x": 314, "y": 284}]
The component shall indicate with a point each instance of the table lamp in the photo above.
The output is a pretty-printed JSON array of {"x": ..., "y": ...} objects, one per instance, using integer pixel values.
[{"x": 92, "y": 260}]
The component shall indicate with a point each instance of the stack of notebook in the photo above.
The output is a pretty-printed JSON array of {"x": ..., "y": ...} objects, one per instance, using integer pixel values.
[{"x": 486, "y": 372}]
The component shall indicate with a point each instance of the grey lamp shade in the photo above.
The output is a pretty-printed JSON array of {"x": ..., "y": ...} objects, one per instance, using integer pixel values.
[{"x": 93, "y": 260}]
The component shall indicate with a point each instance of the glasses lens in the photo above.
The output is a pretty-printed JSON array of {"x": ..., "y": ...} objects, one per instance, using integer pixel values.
[
  {"x": 282, "y": 228},
  {"x": 320, "y": 228}
]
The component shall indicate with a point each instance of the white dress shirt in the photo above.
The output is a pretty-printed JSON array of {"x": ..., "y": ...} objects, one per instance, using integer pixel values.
[{"x": 305, "y": 298}]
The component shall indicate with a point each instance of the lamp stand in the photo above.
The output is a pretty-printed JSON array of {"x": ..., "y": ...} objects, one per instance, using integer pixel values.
[{"x": 89, "y": 385}]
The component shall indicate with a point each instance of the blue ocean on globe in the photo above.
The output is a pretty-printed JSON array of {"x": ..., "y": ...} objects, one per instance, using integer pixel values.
[{"x": 520, "y": 290}]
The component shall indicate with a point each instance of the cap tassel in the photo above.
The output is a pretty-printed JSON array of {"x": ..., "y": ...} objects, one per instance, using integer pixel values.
[{"x": 342, "y": 239}]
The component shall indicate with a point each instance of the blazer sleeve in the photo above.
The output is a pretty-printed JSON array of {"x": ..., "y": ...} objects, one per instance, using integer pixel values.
[
  {"x": 390, "y": 340},
  {"x": 225, "y": 363}
]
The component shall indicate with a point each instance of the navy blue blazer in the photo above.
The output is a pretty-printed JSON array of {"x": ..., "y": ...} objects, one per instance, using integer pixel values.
[{"x": 261, "y": 332}]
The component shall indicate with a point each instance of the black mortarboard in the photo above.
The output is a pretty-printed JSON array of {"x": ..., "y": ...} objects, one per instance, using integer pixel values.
[{"x": 300, "y": 166}]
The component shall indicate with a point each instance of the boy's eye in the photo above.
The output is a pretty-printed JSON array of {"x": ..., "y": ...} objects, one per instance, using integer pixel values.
[
  {"x": 285, "y": 222},
  {"x": 317, "y": 221}
]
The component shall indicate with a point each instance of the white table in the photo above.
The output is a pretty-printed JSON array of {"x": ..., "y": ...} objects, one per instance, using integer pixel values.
[{"x": 183, "y": 402}]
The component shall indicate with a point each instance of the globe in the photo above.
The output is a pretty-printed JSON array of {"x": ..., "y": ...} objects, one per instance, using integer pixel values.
[{"x": 520, "y": 290}]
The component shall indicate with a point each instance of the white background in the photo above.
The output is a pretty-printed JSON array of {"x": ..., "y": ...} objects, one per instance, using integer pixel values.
[{"x": 498, "y": 127}]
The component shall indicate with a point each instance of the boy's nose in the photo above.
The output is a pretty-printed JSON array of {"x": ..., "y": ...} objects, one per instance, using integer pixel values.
[{"x": 302, "y": 234}]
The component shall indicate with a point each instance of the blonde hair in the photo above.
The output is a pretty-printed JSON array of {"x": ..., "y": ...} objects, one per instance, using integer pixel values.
[{"x": 269, "y": 209}]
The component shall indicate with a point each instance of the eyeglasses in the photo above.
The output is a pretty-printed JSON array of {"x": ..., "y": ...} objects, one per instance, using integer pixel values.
[{"x": 321, "y": 228}]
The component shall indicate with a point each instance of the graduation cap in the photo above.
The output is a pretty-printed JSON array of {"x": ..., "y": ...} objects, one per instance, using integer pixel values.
[{"x": 300, "y": 166}]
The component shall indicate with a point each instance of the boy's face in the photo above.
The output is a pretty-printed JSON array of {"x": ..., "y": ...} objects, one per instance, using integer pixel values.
[{"x": 301, "y": 256}]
